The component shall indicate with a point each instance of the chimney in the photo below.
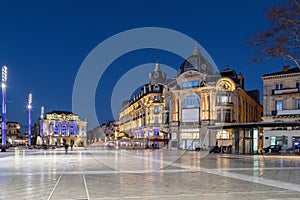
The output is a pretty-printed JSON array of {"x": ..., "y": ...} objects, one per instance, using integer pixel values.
[
  {"x": 241, "y": 78},
  {"x": 285, "y": 68}
]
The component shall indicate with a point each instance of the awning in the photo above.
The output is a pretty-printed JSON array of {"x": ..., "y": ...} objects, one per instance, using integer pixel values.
[
  {"x": 159, "y": 140},
  {"x": 255, "y": 125}
]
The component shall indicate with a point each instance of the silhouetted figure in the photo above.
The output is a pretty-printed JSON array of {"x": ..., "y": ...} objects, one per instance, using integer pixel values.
[{"x": 66, "y": 147}]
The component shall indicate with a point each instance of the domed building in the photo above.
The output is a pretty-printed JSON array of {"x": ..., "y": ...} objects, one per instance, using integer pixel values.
[
  {"x": 177, "y": 112},
  {"x": 197, "y": 62},
  {"x": 204, "y": 97}
]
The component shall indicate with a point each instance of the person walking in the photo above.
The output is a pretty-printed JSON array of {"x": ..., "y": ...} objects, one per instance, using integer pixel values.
[{"x": 66, "y": 147}]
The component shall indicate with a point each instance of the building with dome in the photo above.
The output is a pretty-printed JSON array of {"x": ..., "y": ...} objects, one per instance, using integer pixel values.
[
  {"x": 204, "y": 97},
  {"x": 181, "y": 109}
]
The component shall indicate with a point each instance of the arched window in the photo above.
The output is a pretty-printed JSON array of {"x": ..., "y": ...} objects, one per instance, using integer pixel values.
[
  {"x": 190, "y": 109},
  {"x": 191, "y": 101},
  {"x": 156, "y": 88}
]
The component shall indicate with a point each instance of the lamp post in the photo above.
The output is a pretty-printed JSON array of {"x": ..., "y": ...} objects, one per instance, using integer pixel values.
[
  {"x": 3, "y": 85},
  {"x": 29, "y": 106},
  {"x": 42, "y": 123}
]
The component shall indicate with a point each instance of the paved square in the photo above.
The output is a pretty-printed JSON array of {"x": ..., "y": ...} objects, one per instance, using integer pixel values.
[{"x": 146, "y": 174}]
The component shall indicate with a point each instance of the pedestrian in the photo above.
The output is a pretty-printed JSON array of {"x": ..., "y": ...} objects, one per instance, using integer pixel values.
[{"x": 66, "y": 147}]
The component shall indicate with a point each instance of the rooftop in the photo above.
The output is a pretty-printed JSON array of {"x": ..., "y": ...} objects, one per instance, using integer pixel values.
[
  {"x": 59, "y": 112},
  {"x": 285, "y": 70}
]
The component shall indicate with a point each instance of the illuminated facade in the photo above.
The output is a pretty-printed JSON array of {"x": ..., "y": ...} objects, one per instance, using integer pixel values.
[
  {"x": 200, "y": 97},
  {"x": 13, "y": 131},
  {"x": 60, "y": 126},
  {"x": 142, "y": 116},
  {"x": 180, "y": 110},
  {"x": 282, "y": 104}
]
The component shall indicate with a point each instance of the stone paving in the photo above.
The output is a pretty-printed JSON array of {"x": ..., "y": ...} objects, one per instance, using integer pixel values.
[{"x": 146, "y": 174}]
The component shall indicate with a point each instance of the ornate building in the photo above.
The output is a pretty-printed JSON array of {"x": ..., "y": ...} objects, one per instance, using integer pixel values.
[
  {"x": 179, "y": 110},
  {"x": 62, "y": 126},
  {"x": 201, "y": 97},
  {"x": 142, "y": 116},
  {"x": 282, "y": 104}
]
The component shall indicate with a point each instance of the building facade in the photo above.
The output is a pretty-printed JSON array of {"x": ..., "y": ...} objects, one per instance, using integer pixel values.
[
  {"x": 61, "y": 127},
  {"x": 13, "y": 132},
  {"x": 201, "y": 98},
  {"x": 282, "y": 104},
  {"x": 178, "y": 111},
  {"x": 142, "y": 117}
]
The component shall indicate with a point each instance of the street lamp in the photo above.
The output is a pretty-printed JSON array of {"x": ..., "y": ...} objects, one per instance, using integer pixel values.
[
  {"x": 3, "y": 85},
  {"x": 29, "y": 106},
  {"x": 42, "y": 123}
]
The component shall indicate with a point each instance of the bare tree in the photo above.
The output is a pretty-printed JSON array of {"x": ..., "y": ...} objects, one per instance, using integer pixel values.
[{"x": 281, "y": 38}]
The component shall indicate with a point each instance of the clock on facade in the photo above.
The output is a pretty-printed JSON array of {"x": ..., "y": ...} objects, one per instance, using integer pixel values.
[{"x": 155, "y": 74}]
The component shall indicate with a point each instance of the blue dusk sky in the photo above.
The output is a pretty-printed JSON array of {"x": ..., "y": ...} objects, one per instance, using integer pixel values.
[{"x": 44, "y": 43}]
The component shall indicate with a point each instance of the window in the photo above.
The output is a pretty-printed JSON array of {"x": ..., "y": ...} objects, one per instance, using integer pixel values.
[
  {"x": 156, "y": 132},
  {"x": 298, "y": 103},
  {"x": 156, "y": 109},
  {"x": 156, "y": 120},
  {"x": 219, "y": 117},
  {"x": 298, "y": 85},
  {"x": 167, "y": 104},
  {"x": 191, "y": 101},
  {"x": 224, "y": 115},
  {"x": 227, "y": 115},
  {"x": 157, "y": 98},
  {"x": 279, "y": 105},
  {"x": 156, "y": 88},
  {"x": 224, "y": 98},
  {"x": 190, "y": 84},
  {"x": 279, "y": 87}
]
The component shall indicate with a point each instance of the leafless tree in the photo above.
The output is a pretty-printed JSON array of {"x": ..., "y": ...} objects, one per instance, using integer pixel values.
[{"x": 281, "y": 38}]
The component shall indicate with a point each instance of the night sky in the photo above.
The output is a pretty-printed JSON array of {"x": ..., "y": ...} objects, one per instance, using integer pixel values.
[{"x": 43, "y": 44}]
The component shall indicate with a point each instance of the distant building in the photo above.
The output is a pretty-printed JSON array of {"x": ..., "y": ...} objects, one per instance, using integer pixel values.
[
  {"x": 13, "y": 132},
  {"x": 61, "y": 127},
  {"x": 282, "y": 104}
]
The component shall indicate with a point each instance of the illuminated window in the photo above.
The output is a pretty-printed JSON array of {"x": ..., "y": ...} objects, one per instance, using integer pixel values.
[
  {"x": 224, "y": 98},
  {"x": 156, "y": 132},
  {"x": 191, "y": 101}
]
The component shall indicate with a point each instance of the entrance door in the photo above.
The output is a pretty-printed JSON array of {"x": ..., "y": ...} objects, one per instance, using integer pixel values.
[
  {"x": 248, "y": 146},
  {"x": 183, "y": 144}
]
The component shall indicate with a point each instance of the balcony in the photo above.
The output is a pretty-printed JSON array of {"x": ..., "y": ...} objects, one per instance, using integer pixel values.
[
  {"x": 286, "y": 112},
  {"x": 224, "y": 104},
  {"x": 285, "y": 91}
]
